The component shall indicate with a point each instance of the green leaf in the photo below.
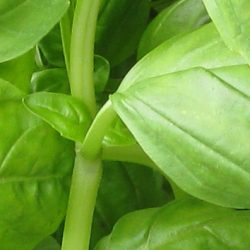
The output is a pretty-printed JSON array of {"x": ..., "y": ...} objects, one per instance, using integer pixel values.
[
  {"x": 25, "y": 22},
  {"x": 9, "y": 91},
  {"x": 48, "y": 244},
  {"x": 50, "y": 80},
  {"x": 19, "y": 71},
  {"x": 51, "y": 48},
  {"x": 232, "y": 19},
  {"x": 184, "y": 224},
  {"x": 64, "y": 113},
  {"x": 101, "y": 73},
  {"x": 119, "y": 28},
  {"x": 203, "y": 47},
  {"x": 181, "y": 17},
  {"x": 35, "y": 169},
  {"x": 194, "y": 125},
  {"x": 125, "y": 188}
]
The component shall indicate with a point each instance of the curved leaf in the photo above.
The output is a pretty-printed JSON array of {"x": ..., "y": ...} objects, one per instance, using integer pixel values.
[
  {"x": 184, "y": 224},
  {"x": 203, "y": 47},
  {"x": 25, "y": 22},
  {"x": 35, "y": 168},
  {"x": 101, "y": 73},
  {"x": 50, "y": 80},
  {"x": 194, "y": 125},
  {"x": 232, "y": 19},
  {"x": 64, "y": 113},
  {"x": 181, "y": 17}
]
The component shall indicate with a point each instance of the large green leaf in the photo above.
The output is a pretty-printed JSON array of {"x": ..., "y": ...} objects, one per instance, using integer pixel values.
[
  {"x": 125, "y": 188},
  {"x": 203, "y": 47},
  {"x": 64, "y": 113},
  {"x": 184, "y": 224},
  {"x": 232, "y": 19},
  {"x": 181, "y": 17},
  {"x": 35, "y": 168},
  {"x": 25, "y": 22},
  {"x": 194, "y": 125},
  {"x": 119, "y": 28}
]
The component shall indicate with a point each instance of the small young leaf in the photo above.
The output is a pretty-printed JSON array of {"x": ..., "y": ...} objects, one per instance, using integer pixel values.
[
  {"x": 194, "y": 125},
  {"x": 181, "y": 17},
  {"x": 24, "y": 23},
  {"x": 50, "y": 80},
  {"x": 184, "y": 224},
  {"x": 232, "y": 19},
  {"x": 101, "y": 73},
  {"x": 64, "y": 113}
]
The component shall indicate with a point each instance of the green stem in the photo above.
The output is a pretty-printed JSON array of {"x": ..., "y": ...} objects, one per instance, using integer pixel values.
[
  {"x": 127, "y": 153},
  {"x": 65, "y": 27},
  {"x": 93, "y": 140},
  {"x": 82, "y": 52},
  {"x": 85, "y": 182}
]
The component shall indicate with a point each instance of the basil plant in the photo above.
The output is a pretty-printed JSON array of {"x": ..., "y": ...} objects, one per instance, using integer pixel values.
[{"x": 124, "y": 124}]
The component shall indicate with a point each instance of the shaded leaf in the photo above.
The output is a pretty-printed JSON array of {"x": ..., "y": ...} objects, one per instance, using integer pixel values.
[
  {"x": 48, "y": 244},
  {"x": 125, "y": 188},
  {"x": 119, "y": 28},
  {"x": 181, "y": 17}
]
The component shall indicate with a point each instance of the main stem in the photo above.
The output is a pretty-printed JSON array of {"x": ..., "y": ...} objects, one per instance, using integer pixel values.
[
  {"x": 84, "y": 187},
  {"x": 87, "y": 173},
  {"x": 82, "y": 52}
]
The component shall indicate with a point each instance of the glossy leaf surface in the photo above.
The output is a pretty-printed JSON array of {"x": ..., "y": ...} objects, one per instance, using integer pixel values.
[
  {"x": 181, "y": 17},
  {"x": 232, "y": 19},
  {"x": 119, "y": 28},
  {"x": 195, "y": 127},
  {"x": 50, "y": 80},
  {"x": 25, "y": 22},
  {"x": 64, "y": 113},
  {"x": 36, "y": 165},
  {"x": 184, "y": 224}
]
